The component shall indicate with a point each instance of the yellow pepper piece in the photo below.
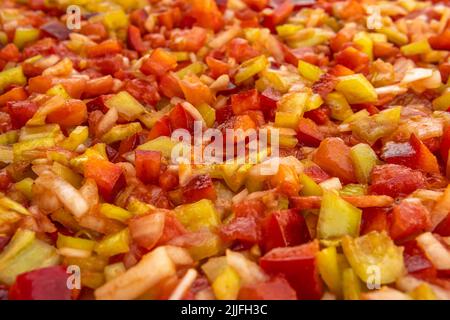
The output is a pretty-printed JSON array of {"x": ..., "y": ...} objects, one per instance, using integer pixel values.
[
  {"x": 20, "y": 148},
  {"x": 442, "y": 102},
  {"x": 352, "y": 189},
  {"x": 67, "y": 174},
  {"x": 58, "y": 90},
  {"x": 9, "y": 137},
  {"x": 327, "y": 263},
  {"x": 12, "y": 76},
  {"x": 314, "y": 101},
  {"x": 365, "y": 42},
  {"x": 364, "y": 159},
  {"x": 198, "y": 215},
  {"x": 294, "y": 103},
  {"x": 340, "y": 109},
  {"x": 114, "y": 244},
  {"x": 374, "y": 257},
  {"x": 114, "y": 212},
  {"x": 227, "y": 284},
  {"x": 286, "y": 30},
  {"x": 351, "y": 286},
  {"x": 208, "y": 114},
  {"x": 309, "y": 71},
  {"x": 23, "y": 36},
  {"x": 137, "y": 207},
  {"x": 196, "y": 68},
  {"x": 210, "y": 247},
  {"x": 115, "y": 19},
  {"x": 127, "y": 106},
  {"x": 337, "y": 217},
  {"x": 286, "y": 119},
  {"x": 356, "y": 89},
  {"x": 394, "y": 35},
  {"x": 418, "y": 47},
  {"x": 250, "y": 68},
  {"x": 45, "y": 131},
  {"x": 121, "y": 132},
  {"x": 25, "y": 186},
  {"x": 75, "y": 243},
  {"x": 423, "y": 292},
  {"x": 78, "y": 136},
  {"x": 162, "y": 144},
  {"x": 287, "y": 141},
  {"x": 309, "y": 186}
]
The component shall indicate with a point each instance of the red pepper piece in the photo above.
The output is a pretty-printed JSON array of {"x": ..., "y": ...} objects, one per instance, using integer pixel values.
[
  {"x": 159, "y": 63},
  {"x": 41, "y": 284},
  {"x": 308, "y": 133},
  {"x": 181, "y": 119},
  {"x": 143, "y": 91},
  {"x": 21, "y": 112},
  {"x": 353, "y": 59},
  {"x": 243, "y": 101},
  {"x": 135, "y": 39},
  {"x": 320, "y": 115},
  {"x": 298, "y": 265},
  {"x": 440, "y": 41},
  {"x": 161, "y": 128},
  {"x": 148, "y": 165},
  {"x": 408, "y": 219},
  {"x": 198, "y": 188},
  {"x": 374, "y": 219},
  {"x": 108, "y": 177},
  {"x": 279, "y": 15}
]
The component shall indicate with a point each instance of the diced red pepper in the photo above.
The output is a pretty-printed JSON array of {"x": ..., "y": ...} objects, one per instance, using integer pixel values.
[
  {"x": 244, "y": 101},
  {"x": 298, "y": 265},
  {"x": 198, "y": 188},
  {"x": 195, "y": 91},
  {"x": 409, "y": 218},
  {"x": 340, "y": 70},
  {"x": 15, "y": 94},
  {"x": 41, "y": 284},
  {"x": 292, "y": 56},
  {"x": 268, "y": 102},
  {"x": 169, "y": 86},
  {"x": 277, "y": 288},
  {"x": 21, "y": 112},
  {"x": 134, "y": 39},
  {"x": 98, "y": 86},
  {"x": 320, "y": 115},
  {"x": 181, "y": 119},
  {"x": 440, "y": 41},
  {"x": 148, "y": 165},
  {"x": 279, "y": 15},
  {"x": 217, "y": 67},
  {"x": 143, "y": 91},
  {"x": 73, "y": 113},
  {"x": 10, "y": 53},
  {"x": 108, "y": 176},
  {"x": 170, "y": 18},
  {"x": 104, "y": 48},
  {"x": 190, "y": 40},
  {"x": 333, "y": 156},
  {"x": 353, "y": 59},
  {"x": 161, "y": 128},
  {"x": 138, "y": 18},
  {"x": 395, "y": 180},
  {"x": 241, "y": 50},
  {"x": 98, "y": 103},
  {"x": 284, "y": 228},
  {"x": 159, "y": 63},
  {"x": 207, "y": 14},
  {"x": 443, "y": 228},
  {"x": 374, "y": 219},
  {"x": 308, "y": 133}
]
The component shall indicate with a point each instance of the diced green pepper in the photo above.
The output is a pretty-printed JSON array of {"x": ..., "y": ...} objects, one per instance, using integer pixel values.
[
  {"x": 196, "y": 68},
  {"x": 364, "y": 159},
  {"x": 162, "y": 144},
  {"x": 78, "y": 136},
  {"x": 337, "y": 217},
  {"x": 356, "y": 89},
  {"x": 208, "y": 114},
  {"x": 20, "y": 148},
  {"x": 25, "y": 186},
  {"x": 352, "y": 189},
  {"x": 74, "y": 243}
]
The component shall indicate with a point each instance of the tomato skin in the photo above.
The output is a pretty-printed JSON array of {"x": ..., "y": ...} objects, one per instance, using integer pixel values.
[
  {"x": 298, "y": 265},
  {"x": 333, "y": 156},
  {"x": 148, "y": 165},
  {"x": 108, "y": 177},
  {"x": 284, "y": 228},
  {"x": 21, "y": 112},
  {"x": 244, "y": 101},
  {"x": 198, "y": 188},
  {"x": 277, "y": 288},
  {"x": 243, "y": 229},
  {"x": 395, "y": 180},
  {"x": 308, "y": 133},
  {"x": 41, "y": 284},
  {"x": 73, "y": 113},
  {"x": 409, "y": 218}
]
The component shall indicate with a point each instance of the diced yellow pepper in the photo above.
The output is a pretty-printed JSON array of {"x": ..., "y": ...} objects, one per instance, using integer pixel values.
[
  {"x": 23, "y": 36},
  {"x": 418, "y": 47},
  {"x": 121, "y": 132},
  {"x": 67, "y": 174},
  {"x": 196, "y": 68},
  {"x": 208, "y": 114},
  {"x": 234, "y": 174},
  {"x": 394, "y": 35},
  {"x": 352, "y": 189},
  {"x": 337, "y": 217},
  {"x": 58, "y": 90},
  {"x": 250, "y": 68},
  {"x": 364, "y": 159},
  {"x": 286, "y": 30},
  {"x": 20, "y": 148},
  {"x": 12, "y": 76},
  {"x": 198, "y": 215},
  {"x": 115, "y": 19},
  {"x": 137, "y": 207},
  {"x": 309, "y": 71},
  {"x": 227, "y": 284},
  {"x": 98, "y": 151},
  {"x": 25, "y": 186},
  {"x": 74, "y": 243},
  {"x": 162, "y": 144},
  {"x": 78, "y": 136},
  {"x": 378, "y": 37},
  {"x": 127, "y": 106},
  {"x": 288, "y": 141},
  {"x": 442, "y": 102},
  {"x": 286, "y": 119},
  {"x": 374, "y": 255},
  {"x": 114, "y": 270},
  {"x": 356, "y": 89},
  {"x": 3, "y": 38},
  {"x": 25, "y": 253},
  {"x": 114, "y": 212},
  {"x": 53, "y": 104},
  {"x": 365, "y": 42},
  {"x": 309, "y": 186},
  {"x": 181, "y": 55},
  {"x": 340, "y": 109},
  {"x": 294, "y": 103},
  {"x": 423, "y": 292},
  {"x": 9, "y": 137},
  {"x": 327, "y": 263},
  {"x": 209, "y": 247},
  {"x": 46, "y": 131},
  {"x": 114, "y": 244},
  {"x": 351, "y": 286},
  {"x": 314, "y": 101}
]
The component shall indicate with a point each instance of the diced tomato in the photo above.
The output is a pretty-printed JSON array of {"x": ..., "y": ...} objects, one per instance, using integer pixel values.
[
  {"x": 409, "y": 218},
  {"x": 21, "y": 112},
  {"x": 320, "y": 115},
  {"x": 134, "y": 39},
  {"x": 148, "y": 165},
  {"x": 353, "y": 59},
  {"x": 384, "y": 50},
  {"x": 426, "y": 161},
  {"x": 277, "y": 288},
  {"x": 169, "y": 86},
  {"x": 143, "y": 91},
  {"x": 284, "y": 228},
  {"x": 241, "y": 50},
  {"x": 42, "y": 284},
  {"x": 308, "y": 133},
  {"x": 39, "y": 84},
  {"x": 95, "y": 30},
  {"x": 168, "y": 180},
  {"x": 278, "y": 15},
  {"x": 98, "y": 103},
  {"x": 374, "y": 219},
  {"x": 440, "y": 41},
  {"x": 217, "y": 67},
  {"x": 73, "y": 113},
  {"x": 333, "y": 156},
  {"x": 180, "y": 119},
  {"x": 190, "y": 40},
  {"x": 108, "y": 177},
  {"x": 104, "y": 48},
  {"x": 247, "y": 208},
  {"x": 298, "y": 265},
  {"x": 243, "y": 101},
  {"x": 244, "y": 229},
  {"x": 161, "y": 128},
  {"x": 395, "y": 180},
  {"x": 159, "y": 63},
  {"x": 73, "y": 86},
  {"x": 416, "y": 262},
  {"x": 325, "y": 85},
  {"x": 15, "y": 94},
  {"x": 10, "y": 53},
  {"x": 199, "y": 187},
  {"x": 206, "y": 14},
  {"x": 98, "y": 86}
]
